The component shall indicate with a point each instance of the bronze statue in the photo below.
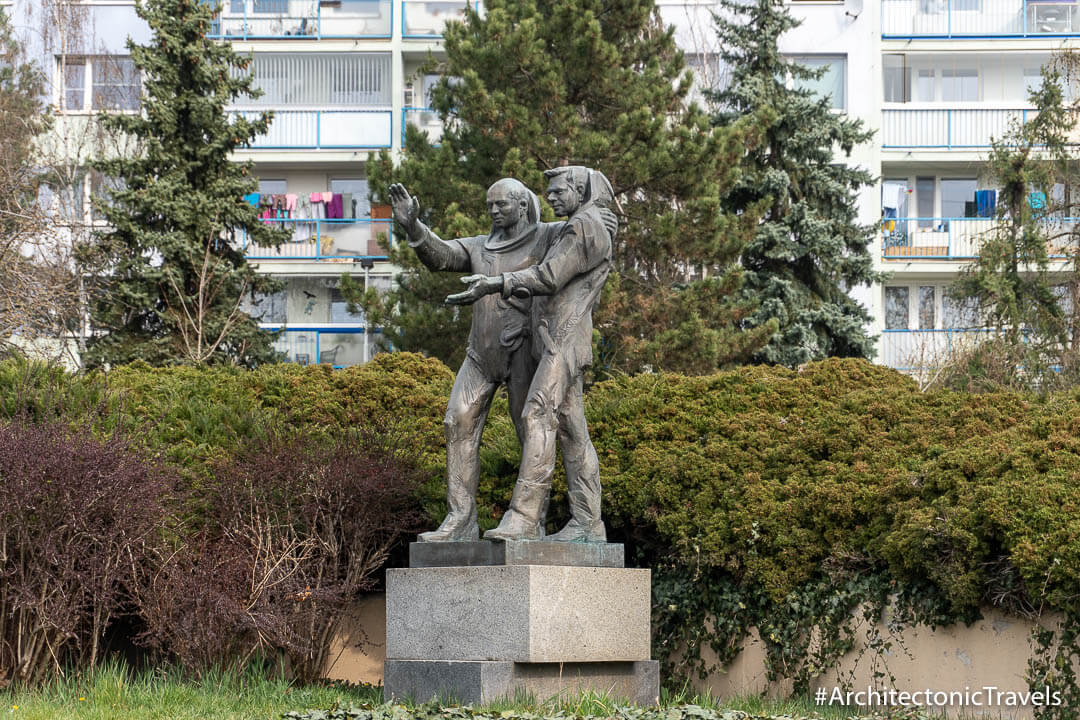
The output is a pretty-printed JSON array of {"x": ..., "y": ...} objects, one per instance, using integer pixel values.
[
  {"x": 534, "y": 285},
  {"x": 563, "y": 287}
]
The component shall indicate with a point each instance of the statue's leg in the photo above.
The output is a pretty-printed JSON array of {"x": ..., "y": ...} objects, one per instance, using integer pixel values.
[
  {"x": 525, "y": 518},
  {"x": 582, "y": 471},
  {"x": 466, "y": 413},
  {"x": 522, "y": 369}
]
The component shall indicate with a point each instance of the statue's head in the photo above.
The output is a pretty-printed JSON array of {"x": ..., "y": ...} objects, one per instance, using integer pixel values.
[
  {"x": 509, "y": 201},
  {"x": 567, "y": 188}
]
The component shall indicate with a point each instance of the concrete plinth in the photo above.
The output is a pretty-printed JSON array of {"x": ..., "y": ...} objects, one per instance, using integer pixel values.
[
  {"x": 472, "y": 681},
  {"x": 519, "y": 613},
  {"x": 514, "y": 552}
]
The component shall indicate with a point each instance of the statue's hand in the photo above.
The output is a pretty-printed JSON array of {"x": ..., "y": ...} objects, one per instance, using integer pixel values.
[
  {"x": 479, "y": 286},
  {"x": 610, "y": 221},
  {"x": 406, "y": 208}
]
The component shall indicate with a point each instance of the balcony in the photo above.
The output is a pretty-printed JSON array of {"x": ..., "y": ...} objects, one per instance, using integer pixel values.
[
  {"x": 956, "y": 239},
  {"x": 339, "y": 346},
  {"x": 426, "y": 19},
  {"x": 920, "y": 350},
  {"x": 324, "y": 240},
  {"x": 357, "y": 129},
  {"x": 947, "y": 128},
  {"x": 303, "y": 19},
  {"x": 979, "y": 18},
  {"x": 424, "y": 119}
]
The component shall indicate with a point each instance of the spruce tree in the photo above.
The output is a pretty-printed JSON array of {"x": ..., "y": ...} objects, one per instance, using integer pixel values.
[
  {"x": 172, "y": 275},
  {"x": 809, "y": 249},
  {"x": 535, "y": 84}
]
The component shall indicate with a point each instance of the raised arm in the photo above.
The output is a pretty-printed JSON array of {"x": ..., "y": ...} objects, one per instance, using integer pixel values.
[
  {"x": 575, "y": 251},
  {"x": 434, "y": 252}
]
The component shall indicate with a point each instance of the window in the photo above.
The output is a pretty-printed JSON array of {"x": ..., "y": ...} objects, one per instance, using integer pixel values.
[
  {"x": 270, "y": 308},
  {"x": 959, "y": 313},
  {"x": 958, "y": 197},
  {"x": 116, "y": 84},
  {"x": 358, "y": 187},
  {"x": 959, "y": 85},
  {"x": 339, "y": 312},
  {"x": 74, "y": 85},
  {"x": 102, "y": 82},
  {"x": 831, "y": 84},
  {"x": 924, "y": 201},
  {"x": 896, "y": 76},
  {"x": 926, "y": 307},
  {"x": 101, "y": 189},
  {"x": 896, "y": 307},
  {"x": 924, "y": 86},
  {"x": 1032, "y": 81},
  {"x": 272, "y": 187}
]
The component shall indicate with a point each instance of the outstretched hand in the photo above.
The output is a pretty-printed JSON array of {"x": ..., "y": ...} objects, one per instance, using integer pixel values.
[
  {"x": 406, "y": 208},
  {"x": 479, "y": 286}
]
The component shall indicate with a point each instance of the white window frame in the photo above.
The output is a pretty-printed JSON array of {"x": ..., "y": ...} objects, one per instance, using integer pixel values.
[{"x": 87, "y": 61}]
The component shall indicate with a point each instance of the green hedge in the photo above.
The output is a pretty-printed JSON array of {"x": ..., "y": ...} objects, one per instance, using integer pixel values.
[
  {"x": 763, "y": 472},
  {"x": 760, "y": 489}
]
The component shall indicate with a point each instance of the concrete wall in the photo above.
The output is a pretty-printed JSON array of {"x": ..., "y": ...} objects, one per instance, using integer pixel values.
[{"x": 992, "y": 652}]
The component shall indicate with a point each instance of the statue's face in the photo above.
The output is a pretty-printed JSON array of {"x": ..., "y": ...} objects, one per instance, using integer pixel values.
[
  {"x": 505, "y": 210},
  {"x": 562, "y": 196}
]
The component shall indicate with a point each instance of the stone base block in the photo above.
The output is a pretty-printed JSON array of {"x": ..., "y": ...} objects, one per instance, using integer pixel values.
[
  {"x": 486, "y": 681},
  {"x": 514, "y": 552},
  {"x": 521, "y": 613}
]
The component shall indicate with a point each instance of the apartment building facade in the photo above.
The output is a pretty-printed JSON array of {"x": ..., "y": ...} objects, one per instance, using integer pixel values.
[
  {"x": 936, "y": 80},
  {"x": 341, "y": 77}
]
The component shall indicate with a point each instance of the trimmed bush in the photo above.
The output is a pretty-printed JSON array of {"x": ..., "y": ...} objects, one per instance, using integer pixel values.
[
  {"x": 77, "y": 516},
  {"x": 293, "y": 529}
]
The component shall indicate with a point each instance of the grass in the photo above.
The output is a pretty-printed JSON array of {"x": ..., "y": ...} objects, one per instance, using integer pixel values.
[{"x": 113, "y": 692}]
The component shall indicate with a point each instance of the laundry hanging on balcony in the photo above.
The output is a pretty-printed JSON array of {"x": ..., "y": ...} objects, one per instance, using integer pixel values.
[{"x": 985, "y": 203}]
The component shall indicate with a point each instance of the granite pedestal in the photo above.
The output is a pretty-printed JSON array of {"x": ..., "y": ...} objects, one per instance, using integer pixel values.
[{"x": 507, "y": 619}]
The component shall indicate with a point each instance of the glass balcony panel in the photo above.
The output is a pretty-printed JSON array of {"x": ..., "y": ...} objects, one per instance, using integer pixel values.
[
  {"x": 421, "y": 18},
  {"x": 958, "y": 238},
  {"x": 315, "y": 129},
  {"x": 324, "y": 240},
  {"x": 255, "y": 19},
  {"x": 917, "y": 350},
  {"x": 947, "y": 128},
  {"x": 993, "y": 18},
  {"x": 340, "y": 347}
]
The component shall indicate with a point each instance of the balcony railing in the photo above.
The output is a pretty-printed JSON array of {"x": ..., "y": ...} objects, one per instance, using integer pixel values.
[
  {"x": 424, "y": 119},
  {"x": 324, "y": 129},
  {"x": 916, "y": 350},
  {"x": 427, "y": 18},
  {"x": 303, "y": 19},
  {"x": 979, "y": 18},
  {"x": 947, "y": 128},
  {"x": 340, "y": 346},
  {"x": 957, "y": 238},
  {"x": 324, "y": 240}
]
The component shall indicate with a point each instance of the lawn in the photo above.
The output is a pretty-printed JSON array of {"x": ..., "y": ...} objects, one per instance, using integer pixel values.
[{"x": 114, "y": 693}]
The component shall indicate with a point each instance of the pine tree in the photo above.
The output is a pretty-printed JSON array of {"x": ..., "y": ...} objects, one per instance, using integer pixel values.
[
  {"x": 535, "y": 84},
  {"x": 809, "y": 249},
  {"x": 173, "y": 275}
]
